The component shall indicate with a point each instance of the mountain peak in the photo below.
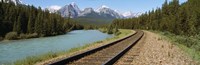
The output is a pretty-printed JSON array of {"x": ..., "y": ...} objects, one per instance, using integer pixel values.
[
  {"x": 72, "y": 8},
  {"x": 101, "y": 12},
  {"x": 89, "y": 9},
  {"x": 53, "y": 8},
  {"x": 73, "y": 3},
  {"x": 128, "y": 14},
  {"x": 75, "y": 7},
  {"x": 104, "y": 6}
]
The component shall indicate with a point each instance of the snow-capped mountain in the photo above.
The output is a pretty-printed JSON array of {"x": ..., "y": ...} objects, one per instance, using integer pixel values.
[
  {"x": 76, "y": 8},
  {"x": 14, "y": 1},
  {"x": 138, "y": 14},
  {"x": 53, "y": 9},
  {"x": 128, "y": 14},
  {"x": 72, "y": 9},
  {"x": 106, "y": 11},
  {"x": 87, "y": 11},
  {"x": 101, "y": 12}
]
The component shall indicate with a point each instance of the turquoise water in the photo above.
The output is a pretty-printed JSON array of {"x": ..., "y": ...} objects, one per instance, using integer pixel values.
[{"x": 11, "y": 51}]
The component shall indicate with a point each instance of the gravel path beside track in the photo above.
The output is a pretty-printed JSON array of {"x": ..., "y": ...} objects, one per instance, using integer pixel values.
[{"x": 153, "y": 50}]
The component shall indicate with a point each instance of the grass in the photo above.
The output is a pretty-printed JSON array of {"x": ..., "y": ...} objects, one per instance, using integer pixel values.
[
  {"x": 191, "y": 45},
  {"x": 40, "y": 58}
]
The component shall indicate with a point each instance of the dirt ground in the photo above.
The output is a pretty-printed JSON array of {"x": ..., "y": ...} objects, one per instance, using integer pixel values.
[{"x": 153, "y": 50}]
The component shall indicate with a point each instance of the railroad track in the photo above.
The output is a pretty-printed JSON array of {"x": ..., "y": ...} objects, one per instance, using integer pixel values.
[{"x": 104, "y": 55}]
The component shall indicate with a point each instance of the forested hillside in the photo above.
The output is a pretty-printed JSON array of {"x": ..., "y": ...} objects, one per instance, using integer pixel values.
[
  {"x": 179, "y": 22},
  {"x": 180, "y": 19},
  {"x": 25, "y": 20},
  {"x": 93, "y": 21}
]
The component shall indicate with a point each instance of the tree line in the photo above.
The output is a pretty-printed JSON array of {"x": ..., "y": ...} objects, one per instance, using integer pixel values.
[
  {"x": 180, "y": 19},
  {"x": 26, "y": 19}
]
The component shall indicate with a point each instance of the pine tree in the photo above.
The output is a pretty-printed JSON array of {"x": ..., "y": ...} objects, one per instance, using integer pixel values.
[
  {"x": 165, "y": 8},
  {"x": 110, "y": 29},
  {"x": 116, "y": 29},
  {"x": 15, "y": 26},
  {"x": 1, "y": 11},
  {"x": 29, "y": 26},
  {"x": 192, "y": 23},
  {"x": 29, "y": 19},
  {"x": 18, "y": 25},
  {"x": 37, "y": 24}
]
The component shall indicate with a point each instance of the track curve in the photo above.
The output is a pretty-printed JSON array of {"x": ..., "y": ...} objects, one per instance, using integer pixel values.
[{"x": 104, "y": 55}]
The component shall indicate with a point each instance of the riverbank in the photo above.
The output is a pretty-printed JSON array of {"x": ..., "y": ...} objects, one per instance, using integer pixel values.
[
  {"x": 15, "y": 36},
  {"x": 50, "y": 57}
]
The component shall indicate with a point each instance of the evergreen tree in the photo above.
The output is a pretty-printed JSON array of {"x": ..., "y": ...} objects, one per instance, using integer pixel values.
[
  {"x": 29, "y": 19},
  {"x": 180, "y": 19},
  {"x": 15, "y": 26},
  {"x": 18, "y": 25},
  {"x": 192, "y": 23},
  {"x": 37, "y": 28},
  {"x": 29, "y": 26}
]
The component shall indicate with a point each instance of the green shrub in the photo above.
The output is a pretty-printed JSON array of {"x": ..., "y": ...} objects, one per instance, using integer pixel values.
[
  {"x": 22, "y": 36},
  {"x": 102, "y": 30},
  {"x": 117, "y": 33},
  {"x": 26, "y": 36},
  {"x": 11, "y": 36},
  {"x": 99, "y": 41},
  {"x": 34, "y": 35},
  {"x": 110, "y": 32}
]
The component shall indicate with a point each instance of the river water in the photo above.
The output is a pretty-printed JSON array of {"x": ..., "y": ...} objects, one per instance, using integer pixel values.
[{"x": 11, "y": 51}]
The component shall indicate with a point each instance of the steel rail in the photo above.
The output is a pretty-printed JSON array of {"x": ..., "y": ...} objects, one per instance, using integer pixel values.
[
  {"x": 120, "y": 54},
  {"x": 89, "y": 52}
]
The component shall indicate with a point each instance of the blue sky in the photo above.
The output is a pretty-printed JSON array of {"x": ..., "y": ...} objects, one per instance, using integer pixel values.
[{"x": 121, "y": 5}]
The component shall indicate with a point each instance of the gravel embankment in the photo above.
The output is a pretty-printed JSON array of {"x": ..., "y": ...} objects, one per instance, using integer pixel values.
[{"x": 153, "y": 50}]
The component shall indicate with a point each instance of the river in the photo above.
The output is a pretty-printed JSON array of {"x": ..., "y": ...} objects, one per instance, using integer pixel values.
[{"x": 11, "y": 51}]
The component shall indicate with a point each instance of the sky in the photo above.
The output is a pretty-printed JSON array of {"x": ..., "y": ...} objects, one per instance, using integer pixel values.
[{"x": 135, "y": 6}]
